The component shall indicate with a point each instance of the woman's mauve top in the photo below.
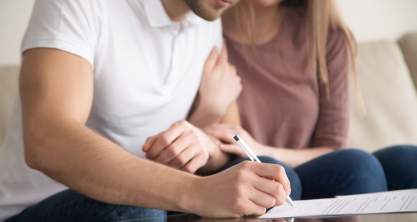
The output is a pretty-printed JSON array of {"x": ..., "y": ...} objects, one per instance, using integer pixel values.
[{"x": 283, "y": 103}]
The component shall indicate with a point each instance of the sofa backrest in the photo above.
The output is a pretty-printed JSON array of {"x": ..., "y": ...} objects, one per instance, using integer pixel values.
[
  {"x": 383, "y": 78},
  {"x": 389, "y": 96},
  {"x": 408, "y": 45},
  {"x": 8, "y": 96}
]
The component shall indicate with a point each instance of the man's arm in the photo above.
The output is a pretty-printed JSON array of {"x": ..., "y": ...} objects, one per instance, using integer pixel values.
[{"x": 57, "y": 89}]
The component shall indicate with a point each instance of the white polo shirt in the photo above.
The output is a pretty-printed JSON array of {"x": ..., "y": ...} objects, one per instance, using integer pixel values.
[{"x": 147, "y": 70}]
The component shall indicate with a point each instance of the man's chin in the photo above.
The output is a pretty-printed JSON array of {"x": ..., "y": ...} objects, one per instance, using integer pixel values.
[
  {"x": 210, "y": 17},
  {"x": 204, "y": 12}
]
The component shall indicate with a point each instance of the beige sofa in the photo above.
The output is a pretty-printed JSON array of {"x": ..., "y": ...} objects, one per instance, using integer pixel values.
[
  {"x": 386, "y": 71},
  {"x": 385, "y": 74}
]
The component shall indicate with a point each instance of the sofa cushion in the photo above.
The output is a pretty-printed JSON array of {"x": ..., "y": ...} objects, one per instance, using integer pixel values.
[
  {"x": 408, "y": 44},
  {"x": 8, "y": 93},
  {"x": 389, "y": 97}
]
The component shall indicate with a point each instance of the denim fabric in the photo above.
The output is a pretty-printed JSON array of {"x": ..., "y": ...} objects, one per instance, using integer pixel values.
[
  {"x": 71, "y": 206},
  {"x": 400, "y": 166},
  {"x": 292, "y": 175},
  {"x": 342, "y": 172}
]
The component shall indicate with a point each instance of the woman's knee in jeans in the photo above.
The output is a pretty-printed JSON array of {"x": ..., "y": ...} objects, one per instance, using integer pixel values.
[
  {"x": 296, "y": 189},
  {"x": 363, "y": 171},
  {"x": 400, "y": 165},
  {"x": 398, "y": 153}
]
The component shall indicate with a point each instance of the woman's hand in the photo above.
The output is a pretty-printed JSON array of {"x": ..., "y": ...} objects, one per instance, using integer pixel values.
[
  {"x": 225, "y": 133},
  {"x": 220, "y": 85}
]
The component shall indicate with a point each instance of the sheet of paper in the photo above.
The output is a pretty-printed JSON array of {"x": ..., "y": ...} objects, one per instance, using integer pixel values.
[{"x": 384, "y": 202}]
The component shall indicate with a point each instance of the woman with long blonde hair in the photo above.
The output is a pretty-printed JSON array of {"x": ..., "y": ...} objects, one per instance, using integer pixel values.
[{"x": 294, "y": 58}]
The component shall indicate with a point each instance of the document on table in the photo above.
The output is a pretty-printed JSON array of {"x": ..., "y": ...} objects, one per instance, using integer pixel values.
[{"x": 374, "y": 203}]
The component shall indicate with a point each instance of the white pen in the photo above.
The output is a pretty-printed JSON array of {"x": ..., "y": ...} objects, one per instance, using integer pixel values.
[{"x": 252, "y": 156}]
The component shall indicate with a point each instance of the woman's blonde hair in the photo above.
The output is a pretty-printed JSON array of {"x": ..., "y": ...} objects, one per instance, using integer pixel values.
[{"x": 322, "y": 16}]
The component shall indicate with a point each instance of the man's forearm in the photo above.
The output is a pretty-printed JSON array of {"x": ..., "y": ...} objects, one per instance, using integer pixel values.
[{"x": 87, "y": 162}]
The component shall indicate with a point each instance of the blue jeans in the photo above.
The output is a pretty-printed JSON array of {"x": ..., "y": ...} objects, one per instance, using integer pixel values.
[
  {"x": 341, "y": 172},
  {"x": 72, "y": 206},
  {"x": 400, "y": 166},
  {"x": 338, "y": 173}
]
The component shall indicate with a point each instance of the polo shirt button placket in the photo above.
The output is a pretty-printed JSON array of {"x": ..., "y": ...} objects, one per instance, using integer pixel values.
[{"x": 176, "y": 54}]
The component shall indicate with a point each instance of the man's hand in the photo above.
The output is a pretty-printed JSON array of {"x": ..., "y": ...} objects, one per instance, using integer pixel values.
[
  {"x": 182, "y": 146},
  {"x": 245, "y": 189}
]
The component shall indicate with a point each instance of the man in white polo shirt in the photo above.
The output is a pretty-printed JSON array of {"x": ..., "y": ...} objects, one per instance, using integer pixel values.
[{"x": 99, "y": 77}]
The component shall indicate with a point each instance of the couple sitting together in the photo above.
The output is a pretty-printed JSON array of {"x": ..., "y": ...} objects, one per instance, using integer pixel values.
[{"x": 129, "y": 109}]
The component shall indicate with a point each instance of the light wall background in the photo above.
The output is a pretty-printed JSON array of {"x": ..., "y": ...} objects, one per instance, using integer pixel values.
[{"x": 369, "y": 20}]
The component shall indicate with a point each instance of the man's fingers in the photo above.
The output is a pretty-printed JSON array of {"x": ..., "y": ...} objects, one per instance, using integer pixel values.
[
  {"x": 262, "y": 199},
  {"x": 273, "y": 172},
  {"x": 255, "y": 209},
  {"x": 196, "y": 163},
  {"x": 165, "y": 139},
  {"x": 148, "y": 143},
  {"x": 211, "y": 59},
  {"x": 272, "y": 188},
  {"x": 183, "y": 158},
  {"x": 268, "y": 186},
  {"x": 281, "y": 198},
  {"x": 174, "y": 149}
]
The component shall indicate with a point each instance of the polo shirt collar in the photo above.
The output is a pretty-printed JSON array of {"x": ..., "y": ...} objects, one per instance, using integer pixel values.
[{"x": 158, "y": 17}]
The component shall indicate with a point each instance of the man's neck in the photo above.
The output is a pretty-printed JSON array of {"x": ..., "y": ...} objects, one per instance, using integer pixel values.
[{"x": 176, "y": 9}]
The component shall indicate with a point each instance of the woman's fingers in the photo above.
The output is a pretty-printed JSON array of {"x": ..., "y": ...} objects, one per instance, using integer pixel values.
[
  {"x": 222, "y": 132},
  {"x": 211, "y": 59},
  {"x": 232, "y": 149},
  {"x": 223, "y": 57}
]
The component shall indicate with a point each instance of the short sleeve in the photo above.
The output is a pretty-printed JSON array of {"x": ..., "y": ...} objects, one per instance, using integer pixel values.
[
  {"x": 68, "y": 25},
  {"x": 332, "y": 126}
]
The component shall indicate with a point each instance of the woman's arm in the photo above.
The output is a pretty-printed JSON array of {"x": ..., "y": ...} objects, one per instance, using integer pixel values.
[
  {"x": 220, "y": 86},
  {"x": 292, "y": 157},
  {"x": 332, "y": 125},
  {"x": 232, "y": 115}
]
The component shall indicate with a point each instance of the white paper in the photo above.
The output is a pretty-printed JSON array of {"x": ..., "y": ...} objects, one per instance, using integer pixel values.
[{"x": 374, "y": 203}]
